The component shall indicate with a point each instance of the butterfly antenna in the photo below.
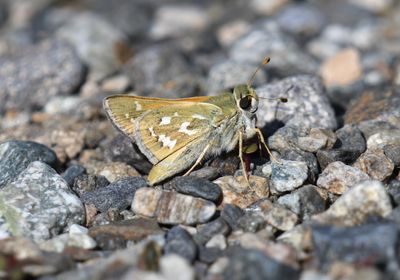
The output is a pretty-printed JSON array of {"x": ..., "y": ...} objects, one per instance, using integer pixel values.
[{"x": 265, "y": 61}]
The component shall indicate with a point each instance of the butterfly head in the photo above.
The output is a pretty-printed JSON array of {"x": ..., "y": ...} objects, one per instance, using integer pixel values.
[{"x": 246, "y": 98}]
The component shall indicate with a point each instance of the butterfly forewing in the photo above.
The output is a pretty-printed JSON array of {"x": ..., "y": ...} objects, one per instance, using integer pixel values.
[{"x": 164, "y": 131}]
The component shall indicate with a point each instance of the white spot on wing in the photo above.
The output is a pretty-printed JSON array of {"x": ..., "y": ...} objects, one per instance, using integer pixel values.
[
  {"x": 166, "y": 141},
  {"x": 165, "y": 120},
  {"x": 198, "y": 116},
  {"x": 127, "y": 115},
  {"x": 138, "y": 106},
  {"x": 184, "y": 129},
  {"x": 176, "y": 114},
  {"x": 152, "y": 133}
]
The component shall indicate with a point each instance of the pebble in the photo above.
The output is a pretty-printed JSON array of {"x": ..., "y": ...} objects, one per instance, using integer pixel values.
[
  {"x": 229, "y": 73},
  {"x": 274, "y": 214},
  {"x": 209, "y": 255},
  {"x": 267, "y": 7},
  {"x": 359, "y": 244},
  {"x": 34, "y": 198},
  {"x": 238, "y": 193},
  {"x": 196, "y": 187},
  {"x": 117, "y": 84},
  {"x": 88, "y": 183},
  {"x": 112, "y": 171},
  {"x": 228, "y": 33},
  {"x": 307, "y": 105},
  {"x": 287, "y": 175},
  {"x": 317, "y": 140},
  {"x": 177, "y": 20},
  {"x": 217, "y": 241},
  {"x": 118, "y": 195},
  {"x": 208, "y": 173},
  {"x": 95, "y": 40},
  {"x": 134, "y": 229},
  {"x": 376, "y": 164},
  {"x": 363, "y": 200},
  {"x": 231, "y": 214},
  {"x": 338, "y": 177},
  {"x": 207, "y": 231},
  {"x": 172, "y": 208},
  {"x": 170, "y": 264},
  {"x": 349, "y": 146},
  {"x": 72, "y": 173},
  {"x": 253, "y": 264},
  {"x": 16, "y": 155},
  {"x": 67, "y": 143},
  {"x": 147, "y": 72},
  {"x": 379, "y": 6},
  {"x": 343, "y": 69},
  {"x": 304, "y": 202},
  {"x": 30, "y": 78},
  {"x": 181, "y": 243}
]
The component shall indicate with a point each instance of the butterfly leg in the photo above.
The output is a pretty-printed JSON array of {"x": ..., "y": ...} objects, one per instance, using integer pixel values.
[
  {"x": 261, "y": 139},
  {"x": 246, "y": 177},
  {"x": 199, "y": 159}
]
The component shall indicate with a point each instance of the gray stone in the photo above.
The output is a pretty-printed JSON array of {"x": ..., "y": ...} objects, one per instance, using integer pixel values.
[
  {"x": 16, "y": 155},
  {"x": 197, "y": 187},
  {"x": 287, "y": 175},
  {"x": 162, "y": 71},
  {"x": 316, "y": 140},
  {"x": 364, "y": 200},
  {"x": 29, "y": 78},
  {"x": 208, "y": 230},
  {"x": 95, "y": 40},
  {"x": 118, "y": 195},
  {"x": 172, "y": 208},
  {"x": 375, "y": 163},
  {"x": 72, "y": 173},
  {"x": 180, "y": 242},
  {"x": 39, "y": 204},
  {"x": 338, "y": 177},
  {"x": 88, "y": 183},
  {"x": 305, "y": 201},
  {"x": 230, "y": 73},
  {"x": 253, "y": 264},
  {"x": 307, "y": 106},
  {"x": 231, "y": 214}
]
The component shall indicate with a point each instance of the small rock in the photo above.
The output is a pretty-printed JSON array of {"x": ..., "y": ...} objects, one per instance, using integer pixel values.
[
  {"x": 95, "y": 40},
  {"x": 81, "y": 240},
  {"x": 307, "y": 106},
  {"x": 288, "y": 175},
  {"x": 73, "y": 172},
  {"x": 316, "y": 140},
  {"x": 16, "y": 155},
  {"x": 209, "y": 255},
  {"x": 208, "y": 173},
  {"x": 77, "y": 229},
  {"x": 172, "y": 208},
  {"x": 304, "y": 202},
  {"x": 349, "y": 146},
  {"x": 118, "y": 194},
  {"x": 30, "y": 203},
  {"x": 253, "y": 264},
  {"x": 88, "y": 183},
  {"x": 68, "y": 144},
  {"x": 364, "y": 200},
  {"x": 217, "y": 241},
  {"x": 31, "y": 77},
  {"x": 230, "y": 73},
  {"x": 231, "y": 214},
  {"x": 196, "y": 187},
  {"x": 181, "y": 243},
  {"x": 275, "y": 214},
  {"x": 298, "y": 237},
  {"x": 177, "y": 20},
  {"x": 117, "y": 84},
  {"x": 207, "y": 231},
  {"x": 228, "y": 33},
  {"x": 135, "y": 229},
  {"x": 238, "y": 192},
  {"x": 113, "y": 171},
  {"x": 376, "y": 164},
  {"x": 360, "y": 244},
  {"x": 343, "y": 69},
  {"x": 170, "y": 264},
  {"x": 338, "y": 177},
  {"x": 267, "y": 7},
  {"x": 378, "y": 7},
  {"x": 393, "y": 189}
]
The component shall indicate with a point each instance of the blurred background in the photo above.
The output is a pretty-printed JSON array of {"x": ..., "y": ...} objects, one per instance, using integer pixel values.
[{"x": 59, "y": 58}]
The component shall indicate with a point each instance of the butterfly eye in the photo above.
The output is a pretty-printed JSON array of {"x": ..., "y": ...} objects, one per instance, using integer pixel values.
[{"x": 245, "y": 103}]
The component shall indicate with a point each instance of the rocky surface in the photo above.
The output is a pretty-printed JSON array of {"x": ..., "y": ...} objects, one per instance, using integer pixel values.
[{"x": 75, "y": 202}]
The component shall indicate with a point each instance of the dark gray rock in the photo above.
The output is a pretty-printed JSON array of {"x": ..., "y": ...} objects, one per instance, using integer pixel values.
[
  {"x": 393, "y": 189},
  {"x": 122, "y": 149},
  {"x": 209, "y": 173},
  {"x": 72, "y": 173},
  {"x": 301, "y": 156},
  {"x": 349, "y": 146},
  {"x": 209, "y": 255},
  {"x": 231, "y": 214},
  {"x": 88, "y": 183},
  {"x": 162, "y": 71},
  {"x": 180, "y": 242},
  {"x": 374, "y": 244},
  {"x": 307, "y": 106},
  {"x": 39, "y": 204},
  {"x": 4, "y": 10},
  {"x": 301, "y": 19},
  {"x": 16, "y": 155},
  {"x": 287, "y": 175},
  {"x": 305, "y": 201},
  {"x": 117, "y": 195},
  {"x": 392, "y": 151},
  {"x": 197, "y": 187},
  {"x": 207, "y": 231},
  {"x": 251, "y": 222},
  {"x": 28, "y": 79},
  {"x": 253, "y": 264}
]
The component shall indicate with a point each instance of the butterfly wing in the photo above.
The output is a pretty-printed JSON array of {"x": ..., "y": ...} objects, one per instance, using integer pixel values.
[{"x": 123, "y": 110}]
